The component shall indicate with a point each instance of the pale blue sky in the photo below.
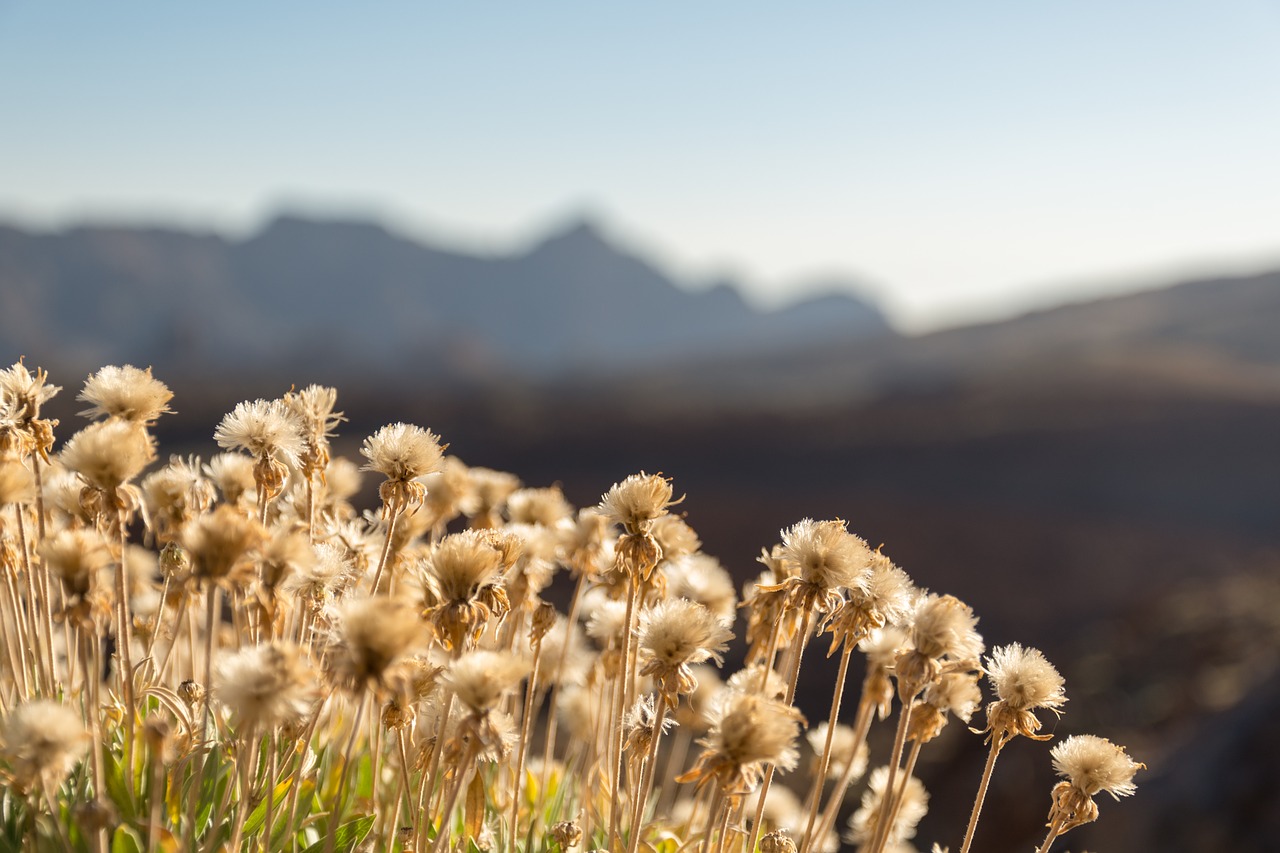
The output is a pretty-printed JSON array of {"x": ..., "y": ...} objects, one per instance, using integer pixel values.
[{"x": 962, "y": 158}]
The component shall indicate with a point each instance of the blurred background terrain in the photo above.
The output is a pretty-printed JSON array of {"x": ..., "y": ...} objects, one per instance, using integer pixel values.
[
  {"x": 1097, "y": 479},
  {"x": 998, "y": 284}
]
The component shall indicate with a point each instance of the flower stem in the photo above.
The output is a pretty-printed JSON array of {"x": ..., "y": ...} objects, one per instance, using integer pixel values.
[{"x": 996, "y": 744}]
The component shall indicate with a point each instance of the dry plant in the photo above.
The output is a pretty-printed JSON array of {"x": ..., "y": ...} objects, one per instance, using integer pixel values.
[{"x": 233, "y": 656}]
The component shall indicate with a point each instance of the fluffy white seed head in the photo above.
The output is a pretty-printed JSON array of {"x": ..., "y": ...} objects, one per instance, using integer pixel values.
[
  {"x": 677, "y": 631},
  {"x": 747, "y": 729},
  {"x": 402, "y": 452},
  {"x": 1093, "y": 764},
  {"x": 637, "y": 501},
  {"x": 481, "y": 678},
  {"x": 25, "y": 391},
  {"x": 546, "y": 507},
  {"x": 265, "y": 685},
  {"x": 126, "y": 393},
  {"x": 944, "y": 626},
  {"x": 1023, "y": 679},
  {"x": 17, "y": 484},
  {"x": 824, "y": 554},
  {"x": 914, "y": 806},
  {"x": 41, "y": 742},
  {"x": 108, "y": 454},
  {"x": 265, "y": 429}
]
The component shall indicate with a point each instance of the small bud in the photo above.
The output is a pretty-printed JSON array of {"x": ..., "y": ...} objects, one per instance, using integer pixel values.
[
  {"x": 567, "y": 833},
  {"x": 777, "y": 842},
  {"x": 192, "y": 693},
  {"x": 544, "y": 618}
]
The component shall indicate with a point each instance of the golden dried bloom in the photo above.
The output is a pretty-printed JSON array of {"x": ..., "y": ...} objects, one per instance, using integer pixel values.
[
  {"x": 546, "y": 507},
  {"x": 17, "y": 484},
  {"x": 1093, "y": 764},
  {"x": 1023, "y": 679},
  {"x": 845, "y": 748},
  {"x": 748, "y": 680},
  {"x": 42, "y": 742},
  {"x": 480, "y": 679},
  {"x": 175, "y": 494},
  {"x": 222, "y": 545},
  {"x": 25, "y": 391},
  {"x": 314, "y": 580},
  {"x": 885, "y": 597},
  {"x": 566, "y": 833},
  {"x": 606, "y": 619},
  {"x": 108, "y": 454},
  {"x": 944, "y": 626},
  {"x": 674, "y": 634},
  {"x": 824, "y": 554},
  {"x": 313, "y": 408},
  {"x": 126, "y": 393},
  {"x": 637, "y": 502},
  {"x": 77, "y": 558},
  {"x": 232, "y": 473},
  {"x": 675, "y": 537},
  {"x": 491, "y": 489},
  {"x": 464, "y": 586},
  {"x": 286, "y": 553},
  {"x": 914, "y": 805},
  {"x": 777, "y": 841},
  {"x": 265, "y": 429},
  {"x": 372, "y": 635},
  {"x": 701, "y": 578},
  {"x": 747, "y": 733},
  {"x": 640, "y": 725},
  {"x": 266, "y": 685},
  {"x": 402, "y": 452}
]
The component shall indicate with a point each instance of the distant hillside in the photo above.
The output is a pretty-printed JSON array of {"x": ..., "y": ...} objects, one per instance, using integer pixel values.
[
  {"x": 1215, "y": 338},
  {"x": 358, "y": 301}
]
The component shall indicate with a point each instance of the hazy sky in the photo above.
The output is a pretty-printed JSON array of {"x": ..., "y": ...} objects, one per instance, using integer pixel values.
[{"x": 959, "y": 157}]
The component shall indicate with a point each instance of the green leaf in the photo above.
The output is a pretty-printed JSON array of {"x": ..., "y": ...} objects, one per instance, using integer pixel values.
[
  {"x": 126, "y": 840},
  {"x": 117, "y": 790},
  {"x": 259, "y": 815},
  {"x": 347, "y": 837}
]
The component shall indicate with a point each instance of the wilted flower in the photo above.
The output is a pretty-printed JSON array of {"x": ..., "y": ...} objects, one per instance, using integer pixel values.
[
  {"x": 1023, "y": 681},
  {"x": 674, "y": 634},
  {"x": 372, "y": 635},
  {"x": 546, "y": 507},
  {"x": 268, "y": 431},
  {"x": 822, "y": 558},
  {"x": 265, "y": 685},
  {"x": 463, "y": 586},
  {"x": 747, "y": 733},
  {"x": 126, "y": 393},
  {"x": 108, "y": 454},
  {"x": 41, "y": 743},
  {"x": 222, "y": 545},
  {"x": 402, "y": 452},
  {"x": 1090, "y": 766},
  {"x": 637, "y": 501},
  {"x": 913, "y": 805},
  {"x": 17, "y": 483}
]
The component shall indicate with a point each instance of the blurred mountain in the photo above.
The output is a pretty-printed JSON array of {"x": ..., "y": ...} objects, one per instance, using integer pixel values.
[
  {"x": 1214, "y": 337},
  {"x": 355, "y": 298}
]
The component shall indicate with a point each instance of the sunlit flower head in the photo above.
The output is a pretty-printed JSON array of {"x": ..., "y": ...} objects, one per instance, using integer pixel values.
[{"x": 126, "y": 393}]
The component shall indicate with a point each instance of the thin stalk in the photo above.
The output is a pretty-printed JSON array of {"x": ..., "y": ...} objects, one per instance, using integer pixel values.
[
  {"x": 466, "y": 766},
  {"x": 724, "y": 828},
  {"x": 549, "y": 742},
  {"x": 193, "y": 799},
  {"x": 1055, "y": 829},
  {"x": 674, "y": 767},
  {"x": 273, "y": 761},
  {"x": 178, "y": 618},
  {"x": 248, "y": 750},
  {"x": 406, "y": 786},
  {"x": 890, "y": 808},
  {"x": 302, "y": 758},
  {"x": 125, "y": 637},
  {"x": 815, "y": 793},
  {"x": 157, "y": 798},
  {"x": 29, "y": 612},
  {"x": 336, "y": 816},
  {"x": 861, "y": 725},
  {"x": 899, "y": 742},
  {"x": 397, "y": 506},
  {"x": 805, "y": 624},
  {"x": 615, "y": 771},
  {"x": 713, "y": 817},
  {"x": 525, "y": 723},
  {"x": 646, "y": 779},
  {"x": 996, "y": 744}
]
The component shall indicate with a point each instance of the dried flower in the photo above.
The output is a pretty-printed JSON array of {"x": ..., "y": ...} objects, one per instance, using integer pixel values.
[
  {"x": 914, "y": 804},
  {"x": 265, "y": 685},
  {"x": 175, "y": 494},
  {"x": 747, "y": 733},
  {"x": 822, "y": 558},
  {"x": 265, "y": 429},
  {"x": 108, "y": 454},
  {"x": 1090, "y": 766},
  {"x": 42, "y": 742},
  {"x": 373, "y": 634},
  {"x": 637, "y": 501},
  {"x": 126, "y": 393},
  {"x": 17, "y": 484},
  {"x": 463, "y": 587},
  {"x": 674, "y": 634},
  {"x": 1024, "y": 681},
  {"x": 701, "y": 578},
  {"x": 313, "y": 409},
  {"x": 546, "y": 507},
  {"x": 845, "y": 748},
  {"x": 222, "y": 545},
  {"x": 402, "y": 452}
]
